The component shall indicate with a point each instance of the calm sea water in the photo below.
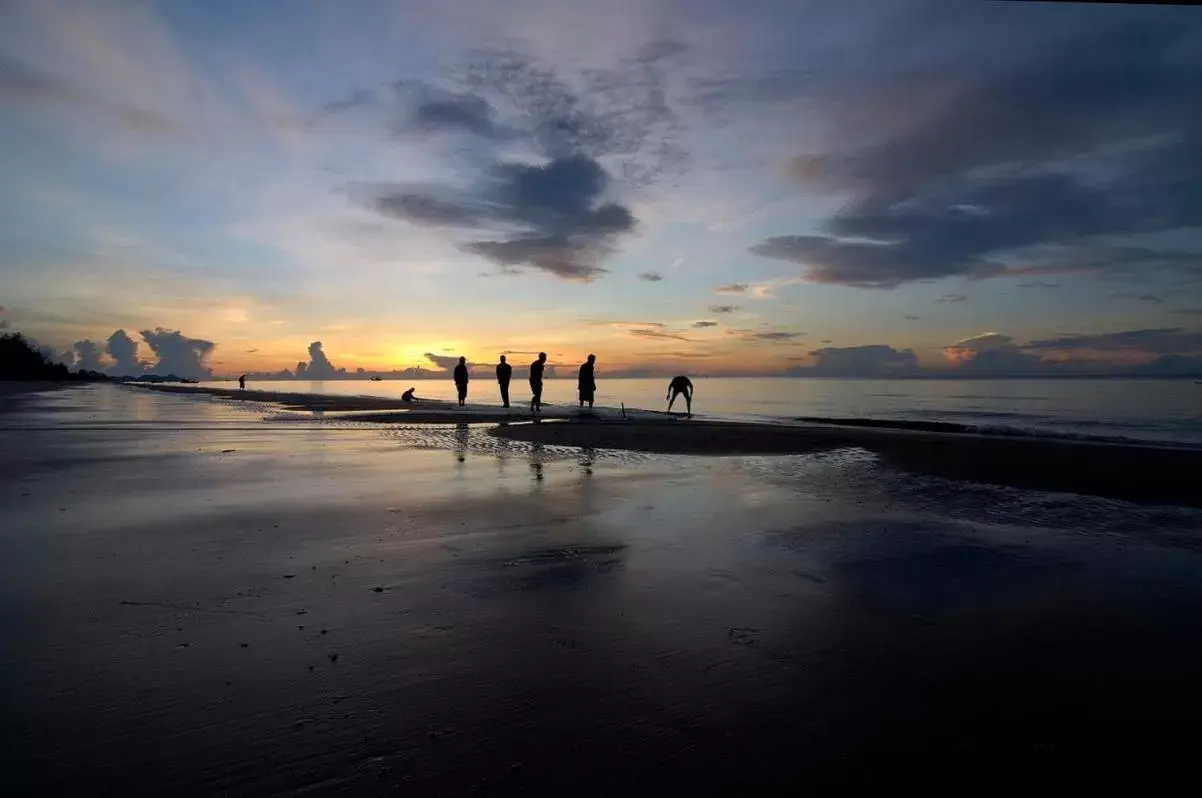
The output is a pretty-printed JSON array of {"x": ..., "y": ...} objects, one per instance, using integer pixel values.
[{"x": 1148, "y": 410}]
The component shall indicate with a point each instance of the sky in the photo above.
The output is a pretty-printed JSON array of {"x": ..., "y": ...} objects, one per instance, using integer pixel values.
[{"x": 853, "y": 188}]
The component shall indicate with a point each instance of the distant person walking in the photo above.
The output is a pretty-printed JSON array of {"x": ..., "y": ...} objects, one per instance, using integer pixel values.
[
  {"x": 681, "y": 385},
  {"x": 242, "y": 383},
  {"x": 461, "y": 380},
  {"x": 586, "y": 383},
  {"x": 504, "y": 372},
  {"x": 536, "y": 383}
]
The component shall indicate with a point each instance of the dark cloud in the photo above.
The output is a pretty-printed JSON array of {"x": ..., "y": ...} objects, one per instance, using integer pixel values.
[
  {"x": 1188, "y": 311},
  {"x": 1038, "y": 284},
  {"x": 178, "y": 354},
  {"x": 1159, "y": 340},
  {"x": 124, "y": 350},
  {"x": 913, "y": 318},
  {"x": 702, "y": 324},
  {"x": 723, "y": 308},
  {"x": 562, "y": 213},
  {"x": 552, "y": 215},
  {"x": 251, "y": 351},
  {"x": 651, "y": 277},
  {"x": 873, "y": 360},
  {"x": 733, "y": 288},
  {"x": 1067, "y": 146},
  {"x": 952, "y": 298},
  {"x": 463, "y": 112}
]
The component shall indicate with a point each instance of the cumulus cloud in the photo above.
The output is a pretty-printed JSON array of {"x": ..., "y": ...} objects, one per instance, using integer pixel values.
[
  {"x": 124, "y": 351},
  {"x": 319, "y": 366},
  {"x": 731, "y": 288},
  {"x": 872, "y": 360},
  {"x": 178, "y": 354},
  {"x": 651, "y": 277},
  {"x": 87, "y": 356},
  {"x": 1076, "y": 143},
  {"x": 723, "y": 308},
  {"x": 992, "y": 353}
]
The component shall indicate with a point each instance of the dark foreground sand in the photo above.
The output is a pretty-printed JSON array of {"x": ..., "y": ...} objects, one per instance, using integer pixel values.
[{"x": 195, "y": 601}]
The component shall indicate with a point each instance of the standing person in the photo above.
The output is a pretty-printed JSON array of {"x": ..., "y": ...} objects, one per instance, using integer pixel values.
[
  {"x": 504, "y": 372},
  {"x": 242, "y": 383},
  {"x": 586, "y": 384},
  {"x": 461, "y": 380},
  {"x": 536, "y": 383},
  {"x": 681, "y": 385}
]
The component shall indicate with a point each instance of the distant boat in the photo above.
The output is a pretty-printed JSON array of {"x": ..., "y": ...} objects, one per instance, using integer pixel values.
[{"x": 377, "y": 379}]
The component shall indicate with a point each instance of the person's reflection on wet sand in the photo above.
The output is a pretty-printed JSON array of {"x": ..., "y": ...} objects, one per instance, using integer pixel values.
[
  {"x": 461, "y": 441},
  {"x": 587, "y": 457},
  {"x": 536, "y": 461}
]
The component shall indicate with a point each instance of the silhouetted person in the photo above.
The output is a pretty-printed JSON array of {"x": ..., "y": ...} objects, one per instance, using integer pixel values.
[
  {"x": 681, "y": 385},
  {"x": 536, "y": 382},
  {"x": 586, "y": 384},
  {"x": 408, "y": 396},
  {"x": 504, "y": 372},
  {"x": 461, "y": 380},
  {"x": 242, "y": 383}
]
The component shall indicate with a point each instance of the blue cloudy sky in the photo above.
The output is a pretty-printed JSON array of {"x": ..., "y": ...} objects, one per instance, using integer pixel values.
[{"x": 855, "y": 187}]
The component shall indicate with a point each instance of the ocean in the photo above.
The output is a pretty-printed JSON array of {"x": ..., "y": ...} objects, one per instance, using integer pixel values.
[{"x": 1143, "y": 410}]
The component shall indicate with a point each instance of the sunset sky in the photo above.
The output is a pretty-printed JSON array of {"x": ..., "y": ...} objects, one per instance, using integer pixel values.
[{"x": 704, "y": 186}]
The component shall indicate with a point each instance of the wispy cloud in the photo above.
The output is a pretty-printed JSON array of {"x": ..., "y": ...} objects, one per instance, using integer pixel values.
[
  {"x": 732, "y": 288},
  {"x": 651, "y": 277},
  {"x": 1152, "y": 298},
  {"x": 658, "y": 334},
  {"x": 703, "y": 324},
  {"x": 723, "y": 308},
  {"x": 952, "y": 298}
]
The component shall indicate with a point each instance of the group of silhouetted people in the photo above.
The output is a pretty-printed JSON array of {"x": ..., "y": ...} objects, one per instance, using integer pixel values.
[{"x": 586, "y": 384}]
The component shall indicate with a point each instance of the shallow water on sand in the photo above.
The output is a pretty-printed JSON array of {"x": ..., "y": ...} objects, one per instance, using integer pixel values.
[{"x": 196, "y": 599}]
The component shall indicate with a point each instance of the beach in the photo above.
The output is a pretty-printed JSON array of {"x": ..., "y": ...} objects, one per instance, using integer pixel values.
[{"x": 204, "y": 595}]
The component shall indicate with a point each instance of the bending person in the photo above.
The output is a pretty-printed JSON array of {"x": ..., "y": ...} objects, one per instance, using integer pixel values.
[{"x": 681, "y": 385}]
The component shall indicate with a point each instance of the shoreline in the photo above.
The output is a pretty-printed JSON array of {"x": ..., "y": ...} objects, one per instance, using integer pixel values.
[{"x": 1155, "y": 474}]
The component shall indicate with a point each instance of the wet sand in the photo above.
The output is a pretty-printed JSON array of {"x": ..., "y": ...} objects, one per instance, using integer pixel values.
[
  {"x": 194, "y": 600},
  {"x": 1153, "y": 474}
]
